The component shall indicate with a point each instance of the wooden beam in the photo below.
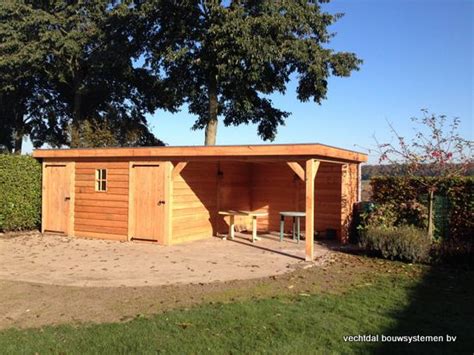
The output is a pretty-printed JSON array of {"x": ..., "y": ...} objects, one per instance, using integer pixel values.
[
  {"x": 178, "y": 168},
  {"x": 298, "y": 151},
  {"x": 297, "y": 169},
  {"x": 311, "y": 170}
]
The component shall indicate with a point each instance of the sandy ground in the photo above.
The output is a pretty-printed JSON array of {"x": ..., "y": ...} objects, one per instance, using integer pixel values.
[
  {"x": 42, "y": 278},
  {"x": 57, "y": 260}
]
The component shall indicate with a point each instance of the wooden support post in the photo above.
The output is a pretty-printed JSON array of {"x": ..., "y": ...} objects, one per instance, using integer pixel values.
[
  {"x": 311, "y": 169},
  {"x": 231, "y": 227},
  {"x": 254, "y": 229},
  {"x": 178, "y": 168},
  {"x": 297, "y": 169}
]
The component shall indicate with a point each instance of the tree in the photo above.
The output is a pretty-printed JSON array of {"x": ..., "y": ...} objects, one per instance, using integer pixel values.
[
  {"x": 84, "y": 70},
  {"x": 437, "y": 147},
  {"x": 20, "y": 59},
  {"x": 223, "y": 58}
]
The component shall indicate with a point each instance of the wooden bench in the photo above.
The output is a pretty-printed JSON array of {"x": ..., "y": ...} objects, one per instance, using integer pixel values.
[{"x": 233, "y": 213}]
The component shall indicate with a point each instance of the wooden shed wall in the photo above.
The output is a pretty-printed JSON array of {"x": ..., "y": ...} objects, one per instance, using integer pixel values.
[
  {"x": 203, "y": 188},
  {"x": 194, "y": 202},
  {"x": 234, "y": 193},
  {"x": 274, "y": 189},
  {"x": 101, "y": 214},
  {"x": 350, "y": 186},
  {"x": 327, "y": 198},
  {"x": 200, "y": 190}
]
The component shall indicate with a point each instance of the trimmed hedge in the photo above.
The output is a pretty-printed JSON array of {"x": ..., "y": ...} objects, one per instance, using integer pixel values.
[
  {"x": 407, "y": 193},
  {"x": 20, "y": 193}
]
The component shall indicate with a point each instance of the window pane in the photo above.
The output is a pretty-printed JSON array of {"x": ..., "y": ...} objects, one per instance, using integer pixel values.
[
  {"x": 97, "y": 188},
  {"x": 104, "y": 174},
  {"x": 104, "y": 186}
]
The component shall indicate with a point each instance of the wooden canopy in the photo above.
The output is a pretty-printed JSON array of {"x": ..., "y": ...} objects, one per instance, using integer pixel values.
[{"x": 241, "y": 152}]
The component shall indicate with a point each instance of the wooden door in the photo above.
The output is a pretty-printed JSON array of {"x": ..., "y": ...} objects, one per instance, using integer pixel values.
[
  {"x": 147, "y": 201},
  {"x": 58, "y": 198}
]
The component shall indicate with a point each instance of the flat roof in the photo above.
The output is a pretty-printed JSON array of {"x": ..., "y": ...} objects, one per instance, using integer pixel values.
[{"x": 273, "y": 151}]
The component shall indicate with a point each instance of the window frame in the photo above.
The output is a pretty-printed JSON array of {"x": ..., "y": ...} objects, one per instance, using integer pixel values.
[{"x": 99, "y": 180}]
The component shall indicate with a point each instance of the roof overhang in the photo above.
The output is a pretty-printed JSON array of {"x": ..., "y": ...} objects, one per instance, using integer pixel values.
[{"x": 269, "y": 152}]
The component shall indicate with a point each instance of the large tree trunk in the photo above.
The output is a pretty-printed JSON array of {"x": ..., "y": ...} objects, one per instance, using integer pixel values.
[
  {"x": 18, "y": 143},
  {"x": 211, "y": 127},
  {"x": 75, "y": 126}
]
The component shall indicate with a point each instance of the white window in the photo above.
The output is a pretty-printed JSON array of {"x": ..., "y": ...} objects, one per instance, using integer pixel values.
[{"x": 101, "y": 180}]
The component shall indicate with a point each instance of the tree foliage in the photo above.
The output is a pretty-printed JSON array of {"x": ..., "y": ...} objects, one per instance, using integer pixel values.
[
  {"x": 223, "y": 58},
  {"x": 78, "y": 61}
]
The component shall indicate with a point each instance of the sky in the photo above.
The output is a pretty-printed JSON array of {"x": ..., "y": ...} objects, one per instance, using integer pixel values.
[{"x": 417, "y": 54}]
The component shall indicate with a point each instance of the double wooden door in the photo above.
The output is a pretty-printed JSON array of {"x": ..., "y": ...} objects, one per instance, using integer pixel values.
[{"x": 147, "y": 204}]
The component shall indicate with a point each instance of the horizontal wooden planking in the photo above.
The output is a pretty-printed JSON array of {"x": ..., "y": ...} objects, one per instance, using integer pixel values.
[
  {"x": 101, "y": 196},
  {"x": 192, "y": 218},
  {"x": 91, "y": 177},
  {"x": 110, "y": 183},
  {"x": 98, "y": 235},
  {"x": 101, "y": 223},
  {"x": 101, "y": 203},
  {"x": 192, "y": 198},
  {"x": 100, "y": 209},
  {"x": 110, "y": 190},
  {"x": 198, "y": 210},
  {"x": 179, "y": 230},
  {"x": 184, "y": 186},
  {"x": 195, "y": 194},
  {"x": 101, "y": 229},
  {"x": 181, "y": 238},
  {"x": 110, "y": 172},
  {"x": 102, "y": 165},
  {"x": 100, "y": 216}
]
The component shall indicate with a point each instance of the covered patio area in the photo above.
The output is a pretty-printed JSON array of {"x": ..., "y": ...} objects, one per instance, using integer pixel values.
[{"x": 261, "y": 196}]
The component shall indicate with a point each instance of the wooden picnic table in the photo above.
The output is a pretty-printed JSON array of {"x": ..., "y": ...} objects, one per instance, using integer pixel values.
[
  {"x": 296, "y": 223},
  {"x": 254, "y": 215}
]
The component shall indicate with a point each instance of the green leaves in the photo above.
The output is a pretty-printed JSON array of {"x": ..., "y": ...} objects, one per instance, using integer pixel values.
[
  {"x": 66, "y": 63},
  {"x": 253, "y": 47},
  {"x": 20, "y": 191}
]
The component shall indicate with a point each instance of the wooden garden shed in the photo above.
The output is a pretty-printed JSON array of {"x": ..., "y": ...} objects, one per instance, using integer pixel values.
[{"x": 173, "y": 194}]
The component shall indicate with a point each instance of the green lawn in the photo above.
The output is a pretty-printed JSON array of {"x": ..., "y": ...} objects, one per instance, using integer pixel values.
[{"x": 436, "y": 302}]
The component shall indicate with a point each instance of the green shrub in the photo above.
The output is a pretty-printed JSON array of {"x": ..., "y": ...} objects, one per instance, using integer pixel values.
[
  {"x": 409, "y": 194},
  {"x": 406, "y": 243},
  {"x": 20, "y": 193}
]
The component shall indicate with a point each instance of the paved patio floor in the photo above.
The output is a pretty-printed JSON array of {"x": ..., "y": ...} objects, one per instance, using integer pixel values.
[{"x": 57, "y": 260}]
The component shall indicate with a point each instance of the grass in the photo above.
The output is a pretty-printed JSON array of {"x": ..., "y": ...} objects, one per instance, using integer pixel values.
[{"x": 435, "y": 302}]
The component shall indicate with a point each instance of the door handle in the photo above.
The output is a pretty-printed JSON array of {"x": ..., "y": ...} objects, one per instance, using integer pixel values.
[
  {"x": 161, "y": 202},
  {"x": 67, "y": 198}
]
